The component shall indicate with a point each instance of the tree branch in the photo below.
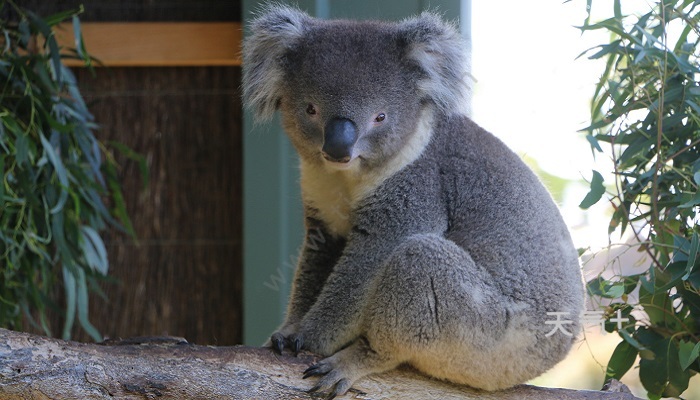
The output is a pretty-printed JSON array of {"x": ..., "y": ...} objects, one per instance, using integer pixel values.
[{"x": 34, "y": 367}]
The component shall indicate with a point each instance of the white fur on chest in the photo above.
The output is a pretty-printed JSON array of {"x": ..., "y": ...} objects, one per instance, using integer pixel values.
[{"x": 336, "y": 193}]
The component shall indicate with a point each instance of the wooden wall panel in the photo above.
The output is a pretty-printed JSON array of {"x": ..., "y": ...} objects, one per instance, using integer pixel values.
[
  {"x": 156, "y": 44},
  {"x": 183, "y": 275},
  {"x": 142, "y": 10}
]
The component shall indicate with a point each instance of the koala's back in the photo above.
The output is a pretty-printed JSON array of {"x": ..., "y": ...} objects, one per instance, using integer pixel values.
[{"x": 499, "y": 211}]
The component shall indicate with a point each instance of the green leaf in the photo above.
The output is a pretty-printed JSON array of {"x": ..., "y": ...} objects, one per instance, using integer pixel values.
[
  {"x": 671, "y": 276},
  {"x": 612, "y": 48},
  {"x": 682, "y": 38},
  {"x": 694, "y": 281},
  {"x": 636, "y": 149},
  {"x": 611, "y": 24},
  {"x": 621, "y": 361},
  {"x": 651, "y": 38},
  {"x": 57, "y": 230},
  {"x": 22, "y": 149},
  {"x": 691, "y": 256},
  {"x": 594, "y": 143},
  {"x": 678, "y": 378},
  {"x": 615, "y": 291},
  {"x": 643, "y": 351},
  {"x": 25, "y": 33},
  {"x": 682, "y": 246},
  {"x": 612, "y": 289},
  {"x": 71, "y": 291},
  {"x": 54, "y": 51},
  {"x": 60, "y": 172},
  {"x": 688, "y": 353},
  {"x": 82, "y": 301},
  {"x": 140, "y": 159},
  {"x": 596, "y": 192},
  {"x": 653, "y": 373},
  {"x": 119, "y": 209},
  {"x": 695, "y": 200},
  {"x": 598, "y": 124},
  {"x": 91, "y": 152},
  {"x": 588, "y": 12},
  {"x": 694, "y": 106},
  {"x": 79, "y": 41},
  {"x": 94, "y": 250},
  {"x": 2, "y": 180},
  {"x": 59, "y": 17}
]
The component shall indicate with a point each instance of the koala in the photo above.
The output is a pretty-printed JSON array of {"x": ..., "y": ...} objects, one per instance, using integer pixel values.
[{"x": 428, "y": 241}]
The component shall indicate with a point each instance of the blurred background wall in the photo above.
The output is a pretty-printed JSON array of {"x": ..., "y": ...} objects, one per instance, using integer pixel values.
[{"x": 182, "y": 276}]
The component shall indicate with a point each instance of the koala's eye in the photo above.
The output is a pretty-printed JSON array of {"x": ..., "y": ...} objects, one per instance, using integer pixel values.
[
  {"x": 311, "y": 110},
  {"x": 380, "y": 117}
]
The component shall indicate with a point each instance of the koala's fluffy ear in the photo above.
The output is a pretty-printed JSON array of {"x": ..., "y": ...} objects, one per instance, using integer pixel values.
[
  {"x": 441, "y": 53},
  {"x": 272, "y": 34}
]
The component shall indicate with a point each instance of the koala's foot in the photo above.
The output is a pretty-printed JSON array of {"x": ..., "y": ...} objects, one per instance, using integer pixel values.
[
  {"x": 287, "y": 337},
  {"x": 342, "y": 369}
]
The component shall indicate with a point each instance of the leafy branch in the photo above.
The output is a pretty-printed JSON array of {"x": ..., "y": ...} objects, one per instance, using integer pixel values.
[
  {"x": 57, "y": 177},
  {"x": 646, "y": 108}
]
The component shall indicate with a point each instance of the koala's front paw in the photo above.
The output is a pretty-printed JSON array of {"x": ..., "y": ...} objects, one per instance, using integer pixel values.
[{"x": 287, "y": 337}]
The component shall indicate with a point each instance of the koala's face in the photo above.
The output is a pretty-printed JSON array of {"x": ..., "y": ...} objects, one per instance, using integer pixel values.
[{"x": 349, "y": 94}]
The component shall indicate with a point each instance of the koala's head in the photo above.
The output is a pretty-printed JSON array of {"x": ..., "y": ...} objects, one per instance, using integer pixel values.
[{"x": 352, "y": 89}]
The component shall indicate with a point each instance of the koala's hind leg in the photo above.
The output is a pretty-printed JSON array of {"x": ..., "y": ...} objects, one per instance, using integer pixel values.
[
  {"x": 433, "y": 308},
  {"x": 437, "y": 310}
]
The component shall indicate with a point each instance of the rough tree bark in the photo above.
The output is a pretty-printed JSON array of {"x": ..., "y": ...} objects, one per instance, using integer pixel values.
[{"x": 34, "y": 367}]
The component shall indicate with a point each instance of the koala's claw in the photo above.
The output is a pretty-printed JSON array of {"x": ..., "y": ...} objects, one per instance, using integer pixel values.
[
  {"x": 317, "y": 369},
  {"x": 278, "y": 342},
  {"x": 332, "y": 379},
  {"x": 341, "y": 387},
  {"x": 297, "y": 343}
]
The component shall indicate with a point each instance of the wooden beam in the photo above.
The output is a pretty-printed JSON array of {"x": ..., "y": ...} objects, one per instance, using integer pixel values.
[{"x": 157, "y": 44}]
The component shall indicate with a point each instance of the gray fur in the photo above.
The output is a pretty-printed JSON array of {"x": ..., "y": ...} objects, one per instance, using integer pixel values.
[
  {"x": 435, "y": 246},
  {"x": 438, "y": 49},
  {"x": 276, "y": 32}
]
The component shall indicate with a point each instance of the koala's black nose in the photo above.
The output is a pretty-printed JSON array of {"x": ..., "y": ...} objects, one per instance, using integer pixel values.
[{"x": 339, "y": 137}]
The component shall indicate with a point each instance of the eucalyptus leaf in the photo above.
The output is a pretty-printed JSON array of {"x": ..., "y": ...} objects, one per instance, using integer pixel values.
[
  {"x": 61, "y": 16},
  {"x": 596, "y": 192},
  {"x": 642, "y": 350},
  {"x": 51, "y": 43},
  {"x": 594, "y": 143},
  {"x": 22, "y": 149},
  {"x": 692, "y": 202},
  {"x": 2, "y": 181},
  {"x": 692, "y": 255},
  {"x": 60, "y": 170},
  {"x": 79, "y": 41},
  {"x": 687, "y": 353},
  {"x": 82, "y": 302},
  {"x": 70, "y": 288},
  {"x": 621, "y": 361},
  {"x": 95, "y": 250}
]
